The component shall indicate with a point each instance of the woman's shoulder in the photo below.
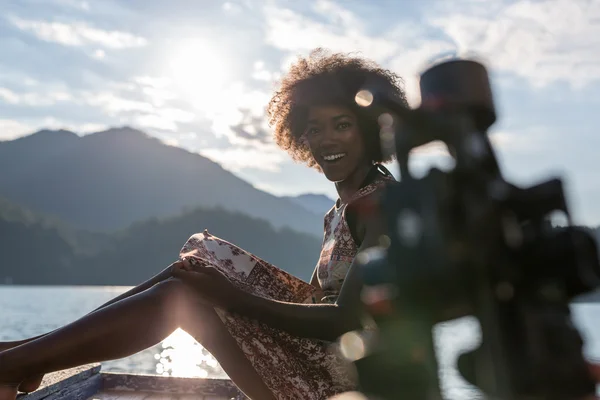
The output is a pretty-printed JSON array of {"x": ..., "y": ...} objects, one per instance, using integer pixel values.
[{"x": 373, "y": 188}]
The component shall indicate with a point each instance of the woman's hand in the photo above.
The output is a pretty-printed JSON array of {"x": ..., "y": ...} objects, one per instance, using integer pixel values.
[{"x": 214, "y": 286}]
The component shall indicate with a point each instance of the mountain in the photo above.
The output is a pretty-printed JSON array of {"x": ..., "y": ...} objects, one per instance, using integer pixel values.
[
  {"x": 315, "y": 203},
  {"x": 110, "y": 179},
  {"x": 19, "y": 156},
  {"x": 39, "y": 250},
  {"x": 22, "y": 235}
]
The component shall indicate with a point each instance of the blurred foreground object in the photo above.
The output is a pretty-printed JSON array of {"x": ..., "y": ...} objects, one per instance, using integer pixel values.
[{"x": 467, "y": 242}]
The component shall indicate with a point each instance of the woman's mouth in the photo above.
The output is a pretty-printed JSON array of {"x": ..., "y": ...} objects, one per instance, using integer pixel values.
[{"x": 334, "y": 157}]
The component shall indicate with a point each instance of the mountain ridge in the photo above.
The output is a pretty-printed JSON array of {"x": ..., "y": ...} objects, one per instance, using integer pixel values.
[
  {"x": 109, "y": 179},
  {"x": 39, "y": 250},
  {"x": 313, "y": 202}
]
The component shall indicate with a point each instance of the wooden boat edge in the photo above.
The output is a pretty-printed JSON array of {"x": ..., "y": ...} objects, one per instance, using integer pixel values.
[{"x": 89, "y": 382}]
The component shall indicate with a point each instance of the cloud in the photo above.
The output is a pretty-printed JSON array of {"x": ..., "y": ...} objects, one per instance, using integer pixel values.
[
  {"x": 252, "y": 127},
  {"x": 155, "y": 122},
  {"x": 293, "y": 31},
  {"x": 231, "y": 7},
  {"x": 76, "y": 4},
  {"x": 99, "y": 54},
  {"x": 34, "y": 98},
  {"x": 115, "y": 105},
  {"x": 542, "y": 41},
  {"x": 239, "y": 158},
  {"x": 11, "y": 129},
  {"x": 144, "y": 101},
  {"x": 232, "y": 108},
  {"x": 157, "y": 91},
  {"x": 80, "y": 128},
  {"x": 9, "y": 96},
  {"x": 146, "y": 109},
  {"x": 261, "y": 73},
  {"x": 403, "y": 47},
  {"x": 165, "y": 119},
  {"x": 141, "y": 103},
  {"x": 337, "y": 15},
  {"x": 78, "y": 34},
  {"x": 171, "y": 141}
]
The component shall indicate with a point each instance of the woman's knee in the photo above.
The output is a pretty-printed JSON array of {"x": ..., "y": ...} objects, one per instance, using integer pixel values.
[
  {"x": 192, "y": 313},
  {"x": 171, "y": 292},
  {"x": 176, "y": 296}
]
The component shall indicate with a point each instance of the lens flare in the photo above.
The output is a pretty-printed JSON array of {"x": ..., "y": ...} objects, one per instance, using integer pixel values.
[{"x": 364, "y": 98}]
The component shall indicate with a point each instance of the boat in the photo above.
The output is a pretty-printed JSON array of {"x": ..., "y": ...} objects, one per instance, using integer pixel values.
[{"x": 88, "y": 382}]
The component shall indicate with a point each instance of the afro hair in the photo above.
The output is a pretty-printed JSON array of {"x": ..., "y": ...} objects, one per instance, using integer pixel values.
[{"x": 325, "y": 78}]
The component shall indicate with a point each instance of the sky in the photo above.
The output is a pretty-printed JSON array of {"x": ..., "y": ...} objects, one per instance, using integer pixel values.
[{"x": 198, "y": 74}]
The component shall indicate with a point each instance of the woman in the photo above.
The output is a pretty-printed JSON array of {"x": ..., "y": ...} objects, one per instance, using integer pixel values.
[{"x": 272, "y": 333}]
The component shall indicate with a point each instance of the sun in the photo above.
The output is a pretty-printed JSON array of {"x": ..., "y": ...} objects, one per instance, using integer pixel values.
[
  {"x": 199, "y": 71},
  {"x": 182, "y": 356}
]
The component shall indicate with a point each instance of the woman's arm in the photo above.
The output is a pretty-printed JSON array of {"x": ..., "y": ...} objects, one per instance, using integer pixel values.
[{"x": 322, "y": 321}]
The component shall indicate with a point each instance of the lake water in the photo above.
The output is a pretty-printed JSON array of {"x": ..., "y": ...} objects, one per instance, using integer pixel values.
[{"x": 30, "y": 311}]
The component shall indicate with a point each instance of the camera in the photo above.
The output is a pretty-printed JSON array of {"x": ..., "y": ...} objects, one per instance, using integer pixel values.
[{"x": 468, "y": 242}]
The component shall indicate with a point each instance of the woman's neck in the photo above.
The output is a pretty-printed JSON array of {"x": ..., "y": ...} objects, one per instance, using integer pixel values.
[{"x": 351, "y": 185}]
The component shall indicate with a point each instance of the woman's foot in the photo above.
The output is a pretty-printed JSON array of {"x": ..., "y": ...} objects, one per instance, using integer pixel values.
[
  {"x": 8, "y": 392},
  {"x": 28, "y": 385}
]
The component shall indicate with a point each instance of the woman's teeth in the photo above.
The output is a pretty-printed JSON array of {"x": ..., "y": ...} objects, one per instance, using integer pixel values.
[{"x": 333, "y": 157}]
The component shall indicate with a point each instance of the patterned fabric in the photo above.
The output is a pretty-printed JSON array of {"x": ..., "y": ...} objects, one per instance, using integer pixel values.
[
  {"x": 292, "y": 367},
  {"x": 339, "y": 248}
]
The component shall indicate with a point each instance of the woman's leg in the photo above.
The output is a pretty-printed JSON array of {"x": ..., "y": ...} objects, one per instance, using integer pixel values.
[
  {"x": 127, "y": 327},
  {"x": 32, "y": 383},
  {"x": 163, "y": 275},
  {"x": 215, "y": 337}
]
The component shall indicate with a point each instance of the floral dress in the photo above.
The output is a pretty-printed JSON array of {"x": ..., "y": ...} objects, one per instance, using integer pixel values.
[{"x": 292, "y": 367}]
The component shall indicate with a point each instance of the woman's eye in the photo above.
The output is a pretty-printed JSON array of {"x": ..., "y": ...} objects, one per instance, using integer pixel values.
[
  {"x": 312, "y": 131},
  {"x": 344, "y": 125}
]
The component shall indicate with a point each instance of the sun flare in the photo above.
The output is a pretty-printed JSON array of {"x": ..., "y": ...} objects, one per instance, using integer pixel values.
[
  {"x": 182, "y": 356},
  {"x": 198, "y": 71}
]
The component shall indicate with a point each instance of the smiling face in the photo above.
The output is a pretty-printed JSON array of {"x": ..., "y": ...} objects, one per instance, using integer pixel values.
[{"x": 336, "y": 143}]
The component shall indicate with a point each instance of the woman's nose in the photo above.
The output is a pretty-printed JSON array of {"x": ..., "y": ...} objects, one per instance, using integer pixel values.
[{"x": 329, "y": 134}]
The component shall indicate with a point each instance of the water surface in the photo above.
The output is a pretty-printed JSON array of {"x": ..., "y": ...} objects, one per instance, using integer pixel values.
[{"x": 29, "y": 310}]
